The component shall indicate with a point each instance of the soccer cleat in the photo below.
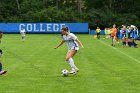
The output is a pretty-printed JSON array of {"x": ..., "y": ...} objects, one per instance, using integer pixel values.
[
  {"x": 77, "y": 70},
  {"x": 72, "y": 72},
  {"x": 2, "y": 72}
]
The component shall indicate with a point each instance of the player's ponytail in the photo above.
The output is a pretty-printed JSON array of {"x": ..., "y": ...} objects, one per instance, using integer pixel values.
[{"x": 65, "y": 29}]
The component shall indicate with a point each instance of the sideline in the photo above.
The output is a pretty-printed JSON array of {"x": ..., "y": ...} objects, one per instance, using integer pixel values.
[{"x": 138, "y": 61}]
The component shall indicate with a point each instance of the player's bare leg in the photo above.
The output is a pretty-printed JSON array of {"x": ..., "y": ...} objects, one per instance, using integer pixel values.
[
  {"x": 1, "y": 71},
  {"x": 69, "y": 58}
]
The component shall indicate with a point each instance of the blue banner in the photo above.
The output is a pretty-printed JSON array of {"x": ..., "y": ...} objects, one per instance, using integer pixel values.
[
  {"x": 93, "y": 32},
  {"x": 43, "y": 27}
]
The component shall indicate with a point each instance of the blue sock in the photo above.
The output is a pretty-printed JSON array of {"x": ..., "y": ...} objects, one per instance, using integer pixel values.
[{"x": 0, "y": 67}]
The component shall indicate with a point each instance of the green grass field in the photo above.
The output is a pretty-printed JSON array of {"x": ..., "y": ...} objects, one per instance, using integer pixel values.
[{"x": 35, "y": 67}]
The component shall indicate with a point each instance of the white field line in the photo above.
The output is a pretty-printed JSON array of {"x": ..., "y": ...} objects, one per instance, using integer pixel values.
[{"x": 132, "y": 58}]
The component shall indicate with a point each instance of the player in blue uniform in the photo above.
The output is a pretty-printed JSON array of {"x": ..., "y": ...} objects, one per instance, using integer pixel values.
[{"x": 1, "y": 71}]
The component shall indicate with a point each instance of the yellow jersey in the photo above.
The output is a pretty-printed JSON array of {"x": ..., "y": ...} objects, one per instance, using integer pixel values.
[{"x": 98, "y": 30}]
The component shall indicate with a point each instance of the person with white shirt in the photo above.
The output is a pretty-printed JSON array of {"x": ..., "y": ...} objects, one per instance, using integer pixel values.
[
  {"x": 72, "y": 43},
  {"x": 23, "y": 34}
]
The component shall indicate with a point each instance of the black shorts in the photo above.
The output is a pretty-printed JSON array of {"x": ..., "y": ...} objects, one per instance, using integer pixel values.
[{"x": 98, "y": 33}]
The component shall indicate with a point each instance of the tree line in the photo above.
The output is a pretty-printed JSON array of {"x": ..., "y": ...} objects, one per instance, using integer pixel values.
[{"x": 103, "y": 13}]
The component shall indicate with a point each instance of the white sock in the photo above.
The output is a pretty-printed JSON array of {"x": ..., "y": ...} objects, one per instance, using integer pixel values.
[{"x": 71, "y": 62}]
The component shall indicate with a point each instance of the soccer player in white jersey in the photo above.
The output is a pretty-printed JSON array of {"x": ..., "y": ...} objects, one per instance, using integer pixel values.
[
  {"x": 23, "y": 33},
  {"x": 72, "y": 43}
]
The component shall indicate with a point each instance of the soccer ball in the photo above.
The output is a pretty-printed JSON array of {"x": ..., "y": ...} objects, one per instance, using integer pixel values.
[{"x": 65, "y": 72}]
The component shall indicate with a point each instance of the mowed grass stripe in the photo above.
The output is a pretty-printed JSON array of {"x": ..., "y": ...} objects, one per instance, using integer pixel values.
[
  {"x": 116, "y": 64},
  {"x": 102, "y": 61},
  {"x": 121, "y": 52},
  {"x": 101, "y": 70},
  {"x": 26, "y": 60}
]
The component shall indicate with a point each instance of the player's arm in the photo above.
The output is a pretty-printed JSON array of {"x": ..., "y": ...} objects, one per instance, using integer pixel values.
[
  {"x": 1, "y": 34},
  {"x": 76, "y": 39},
  {"x": 24, "y": 31},
  {"x": 61, "y": 42},
  {"x": 20, "y": 31},
  {"x": 79, "y": 42}
]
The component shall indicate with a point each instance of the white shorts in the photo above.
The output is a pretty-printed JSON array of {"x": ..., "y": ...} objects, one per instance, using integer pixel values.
[
  {"x": 23, "y": 34},
  {"x": 74, "y": 48}
]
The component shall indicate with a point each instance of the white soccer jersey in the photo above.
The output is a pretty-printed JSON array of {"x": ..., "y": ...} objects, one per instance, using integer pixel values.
[
  {"x": 70, "y": 41},
  {"x": 22, "y": 31}
]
